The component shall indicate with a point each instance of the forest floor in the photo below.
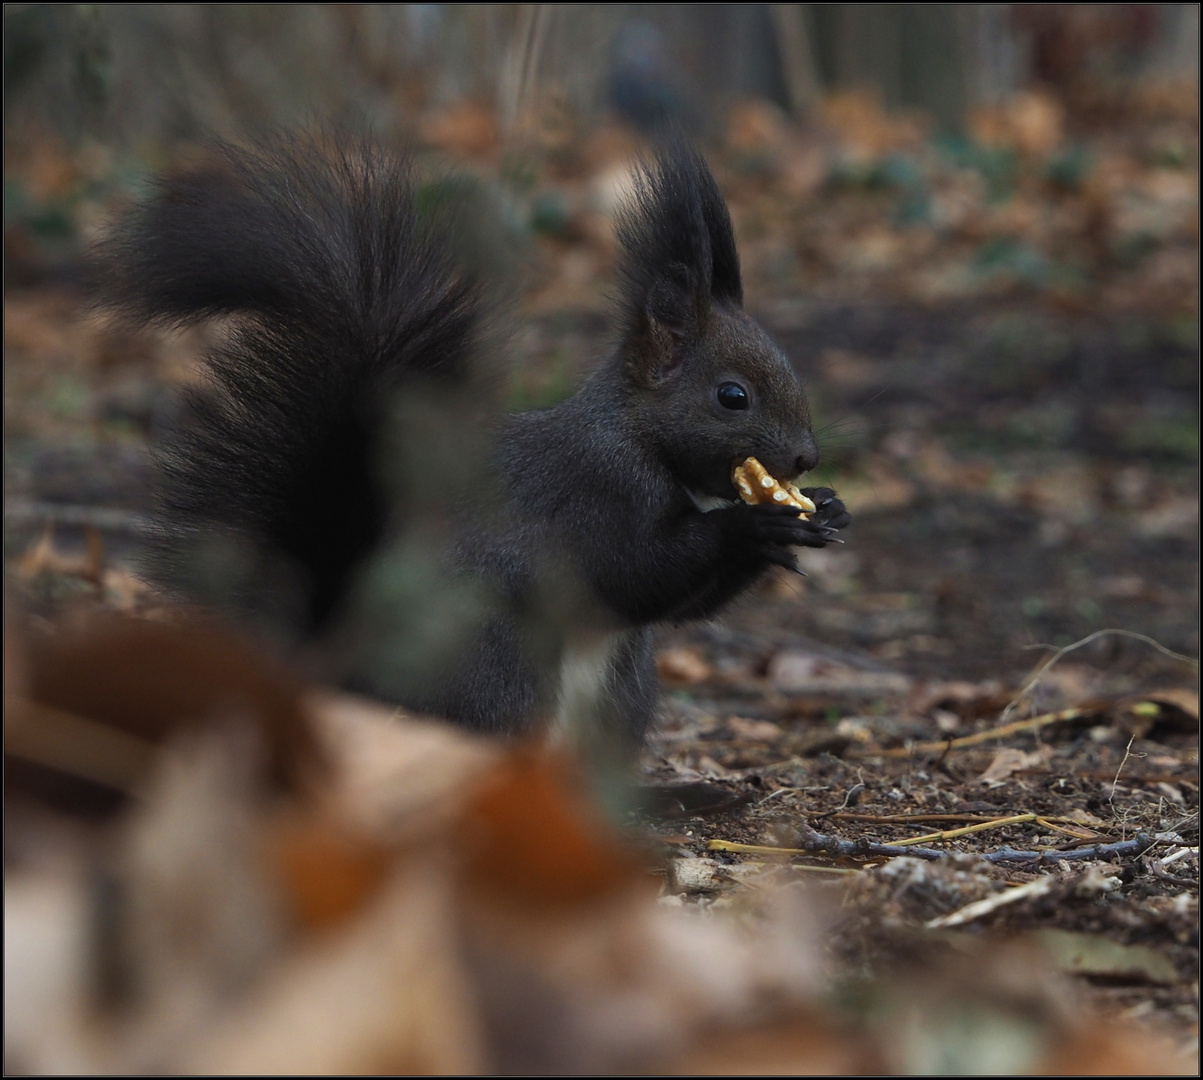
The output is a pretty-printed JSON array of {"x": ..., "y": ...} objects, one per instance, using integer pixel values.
[{"x": 995, "y": 668}]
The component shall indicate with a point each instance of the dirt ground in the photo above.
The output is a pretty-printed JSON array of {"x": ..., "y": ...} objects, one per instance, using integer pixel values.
[
  {"x": 1005, "y": 510},
  {"x": 1002, "y": 649},
  {"x": 1001, "y": 511}
]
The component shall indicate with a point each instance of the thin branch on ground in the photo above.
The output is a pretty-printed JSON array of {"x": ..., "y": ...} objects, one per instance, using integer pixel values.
[
  {"x": 1031, "y": 684},
  {"x": 1052, "y": 822},
  {"x": 816, "y": 843},
  {"x": 1049, "y": 823},
  {"x": 1122, "y": 849},
  {"x": 906, "y": 819},
  {"x": 1121, "y": 818},
  {"x": 949, "y": 834},
  {"x": 979, "y": 908},
  {"x": 944, "y": 745}
]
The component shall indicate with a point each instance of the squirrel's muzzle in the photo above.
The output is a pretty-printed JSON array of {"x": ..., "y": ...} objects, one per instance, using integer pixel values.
[{"x": 808, "y": 455}]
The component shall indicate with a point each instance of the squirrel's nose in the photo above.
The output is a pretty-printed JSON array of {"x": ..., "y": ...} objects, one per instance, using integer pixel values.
[{"x": 808, "y": 458}]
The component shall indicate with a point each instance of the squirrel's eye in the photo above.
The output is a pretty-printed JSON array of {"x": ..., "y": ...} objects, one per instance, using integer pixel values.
[{"x": 732, "y": 396}]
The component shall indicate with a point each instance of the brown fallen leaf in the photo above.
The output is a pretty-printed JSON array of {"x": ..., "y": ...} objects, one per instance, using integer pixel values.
[
  {"x": 1094, "y": 954},
  {"x": 148, "y": 681},
  {"x": 1008, "y": 760},
  {"x": 326, "y": 873},
  {"x": 683, "y": 666},
  {"x": 435, "y": 902},
  {"x": 1185, "y": 701},
  {"x": 384, "y": 993},
  {"x": 467, "y": 129},
  {"x": 797, "y": 672},
  {"x": 754, "y": 731},
  {"x": 805, "y": 1044},
  {"x": 531, "y": 837}
]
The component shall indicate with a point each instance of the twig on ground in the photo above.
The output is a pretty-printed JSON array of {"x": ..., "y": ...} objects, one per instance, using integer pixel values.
[
  {"x": 76, "y": 745},
  {"x": 1138, "y": 845},
  {"x": 816, "y": 843},
  {"x": 1121, "y": 818},
  {"x": 1049, "y": 823},
  {"x": 906, "y": 819},
  {"x": 1181, "y": 853},
  {"x": 980, "y": 908},
  {"x": 949, "y": 834},
  {"x": 944, "y": 745},
  {"x": 1031, "y": 684},
  {"x": 850, "y": 796},
  {"x": 1095, "y": 774}
]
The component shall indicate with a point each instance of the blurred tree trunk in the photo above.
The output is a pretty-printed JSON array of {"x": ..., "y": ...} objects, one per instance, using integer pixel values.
[
  {"x": 935, "y": 56},
  {"x": 910, "y": 54},
  {"x": 996, "y": 66},
  {"x": 133, "y": 72},
  {"x": 797, "y": 56},
  {"x": 1180, "y": 47}
]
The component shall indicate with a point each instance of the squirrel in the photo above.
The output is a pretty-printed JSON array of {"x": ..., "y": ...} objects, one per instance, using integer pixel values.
[{"x": 605, "y": 515}]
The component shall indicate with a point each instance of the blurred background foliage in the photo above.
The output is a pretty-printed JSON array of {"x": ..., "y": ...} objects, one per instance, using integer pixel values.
[
  {"x": 138, "y": 73},
  {"x": 916, "y": 110},
  {"x": 976, "y": 226}
]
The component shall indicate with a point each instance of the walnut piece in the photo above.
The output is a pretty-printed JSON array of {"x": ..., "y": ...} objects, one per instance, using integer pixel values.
[{"x": 756, "y": 485}]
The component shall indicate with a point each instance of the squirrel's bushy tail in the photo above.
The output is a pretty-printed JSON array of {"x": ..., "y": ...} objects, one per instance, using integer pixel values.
[{"x": 338, "y": 290}]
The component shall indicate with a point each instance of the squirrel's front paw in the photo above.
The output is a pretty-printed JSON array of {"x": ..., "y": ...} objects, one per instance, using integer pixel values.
[
  {"x": 830, "y": 512},
  {"x": 774, "y": 529}
]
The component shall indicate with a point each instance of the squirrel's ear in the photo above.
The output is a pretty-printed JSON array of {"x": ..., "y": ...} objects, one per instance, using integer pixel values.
[
  {"x": 672, "y": 313},
  {"x": 675, "y": 301},
  {"x": 678, "y": 259}
]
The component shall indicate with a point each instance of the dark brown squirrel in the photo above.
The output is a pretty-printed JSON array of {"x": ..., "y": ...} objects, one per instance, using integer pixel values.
[{"x": 612, "y": 511}]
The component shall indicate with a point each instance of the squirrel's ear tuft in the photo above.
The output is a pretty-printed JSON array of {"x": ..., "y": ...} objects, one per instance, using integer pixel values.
[
  {"x": 678, "y": 256},
  {"x": 677, "y": 215}
]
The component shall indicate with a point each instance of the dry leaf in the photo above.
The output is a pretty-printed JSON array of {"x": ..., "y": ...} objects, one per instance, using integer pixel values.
[
  {"x": 385, "y": 994},
  {"x": 756, "y": 731},
  {"x": 466, "y": 129},
  {"x": 795, "y": 672},
  {"x": 1093, "y": 954},
  {"x": 683, "y": 666},
  {"x": 756, "y": 127},
  {"x": 1009, "y": 760},
  {"x": 531, "y": 838},
  {"x": 1186, "y": 701},
  {"x": 149, "y": 680}
]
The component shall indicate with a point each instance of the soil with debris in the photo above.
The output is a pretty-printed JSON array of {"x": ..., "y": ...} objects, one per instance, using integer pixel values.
[
  {"x": 1022, "y": 468},
  {"x": 1003, "y": 510},
  {"x": 833, "y": 704}
]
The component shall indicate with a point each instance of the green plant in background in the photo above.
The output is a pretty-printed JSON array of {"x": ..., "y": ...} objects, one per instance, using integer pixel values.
[
  {"x": 1004, "y": 257},
  {"x": 1169, "y": 438},
  {"x": 550, "y": 214},
  {"x": 544, "y": 384},
  {"x": 898, "y": 173},
  {"x": 52, "y": 221},
  {"x": 1006, "y": 260},
  {"x": 1068, "y": 169},
  {"x": 480, "y": 219},
  {"x": 518, "y": 172},
  {"x": 999, "y": 166},
  {"x": 1130, "y": 250},
  {"x": 891, "y": 172}
]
